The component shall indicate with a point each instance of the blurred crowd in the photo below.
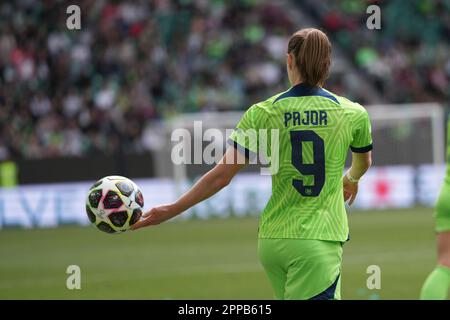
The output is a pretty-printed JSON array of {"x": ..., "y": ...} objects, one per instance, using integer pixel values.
[
  {"x": 408, "y": 59},
  {"x": 75, "y": 92},
  {"x": 133, "y": 63}
]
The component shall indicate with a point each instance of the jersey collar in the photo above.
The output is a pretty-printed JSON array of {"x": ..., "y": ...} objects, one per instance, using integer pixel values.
[{"x": 304, "y": 90}]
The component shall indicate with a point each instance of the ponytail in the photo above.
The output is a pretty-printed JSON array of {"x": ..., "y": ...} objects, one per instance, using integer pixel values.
[{"x": 312, "y": 53}]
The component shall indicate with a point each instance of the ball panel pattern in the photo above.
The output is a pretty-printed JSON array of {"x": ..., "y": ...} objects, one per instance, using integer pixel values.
[
  {"x": 118, "y": 218},
  {"x": 112, "y": 200},
  {"x": 125, "y": 188},
  {"x": 94, "y": 198},
  {"x": 103, "y": 226},
  {"x": 90, "y": 214},
  {"x": 137, "y": 213},
  {"x": 139, "y": 198}
]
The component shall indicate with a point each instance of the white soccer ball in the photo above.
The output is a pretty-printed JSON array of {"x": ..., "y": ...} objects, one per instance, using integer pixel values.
[{"x": 114, "y": 204}]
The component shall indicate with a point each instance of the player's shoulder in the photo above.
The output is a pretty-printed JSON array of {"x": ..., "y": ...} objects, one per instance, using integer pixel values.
[{"x": 348, "y": 104}]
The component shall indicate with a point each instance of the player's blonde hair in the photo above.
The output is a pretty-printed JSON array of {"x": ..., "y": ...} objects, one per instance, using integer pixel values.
[{"x": 312, "y": 53}]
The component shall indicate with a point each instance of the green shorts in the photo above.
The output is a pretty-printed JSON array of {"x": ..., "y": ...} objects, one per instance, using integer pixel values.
[
  {"x": 302, "y": 269},
  {"x": 442, "y": 212}
]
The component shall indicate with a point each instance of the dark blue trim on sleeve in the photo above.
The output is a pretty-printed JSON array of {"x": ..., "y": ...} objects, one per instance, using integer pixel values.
[
  {"x": 304, "y": 90},
  {"x": 246, "y": 152},
  {"x": 362, "y": 149}
]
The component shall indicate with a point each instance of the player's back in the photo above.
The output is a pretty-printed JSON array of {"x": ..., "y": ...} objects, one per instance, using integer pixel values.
[{"x": 316, "y": 129}]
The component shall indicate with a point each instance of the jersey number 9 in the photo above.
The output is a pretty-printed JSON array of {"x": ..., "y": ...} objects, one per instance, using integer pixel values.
[{"x": 316, "y": 169}]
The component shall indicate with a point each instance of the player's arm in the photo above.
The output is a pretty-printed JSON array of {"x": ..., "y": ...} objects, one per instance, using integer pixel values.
[
  {"x": 361, "y": 147},
  {"x": 361, "y": 162},
  {"x": 208, "y": 185}
]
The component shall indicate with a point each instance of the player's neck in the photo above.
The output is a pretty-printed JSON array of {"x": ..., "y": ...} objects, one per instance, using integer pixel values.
[{"x": 299, "y": 82}]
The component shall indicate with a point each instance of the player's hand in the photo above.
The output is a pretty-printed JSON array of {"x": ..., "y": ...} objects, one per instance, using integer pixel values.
[
  {"x": 350, "y": 190},
  {"x": 155, "y": 216}
]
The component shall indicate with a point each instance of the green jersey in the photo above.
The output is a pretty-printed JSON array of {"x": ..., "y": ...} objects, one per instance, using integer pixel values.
[
  {"x": 442, "y": 212},
  {"x": 315, "y": 129}
]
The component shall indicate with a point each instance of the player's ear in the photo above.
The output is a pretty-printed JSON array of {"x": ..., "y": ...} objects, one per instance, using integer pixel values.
[{"x": 289, "y": 60}]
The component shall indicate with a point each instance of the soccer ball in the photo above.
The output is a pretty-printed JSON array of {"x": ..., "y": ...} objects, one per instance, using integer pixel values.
[{"x": 114, "y": 204}]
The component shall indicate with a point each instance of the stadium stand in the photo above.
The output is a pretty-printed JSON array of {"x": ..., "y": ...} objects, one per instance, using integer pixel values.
[{"x": 154, "y": 59}]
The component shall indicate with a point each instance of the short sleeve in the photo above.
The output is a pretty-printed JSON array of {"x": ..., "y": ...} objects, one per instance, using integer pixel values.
[
  {"x": 361, "y": 134},
  {"x": 245, "y": 136}
]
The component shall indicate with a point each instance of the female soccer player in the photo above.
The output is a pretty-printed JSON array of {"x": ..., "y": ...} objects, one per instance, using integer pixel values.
[
  {"x": 438, "y": 282},
  {"x": 304, "y": 224}
]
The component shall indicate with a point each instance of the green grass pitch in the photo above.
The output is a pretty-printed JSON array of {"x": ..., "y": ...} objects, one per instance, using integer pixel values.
[{"x": 214, "y": 259}]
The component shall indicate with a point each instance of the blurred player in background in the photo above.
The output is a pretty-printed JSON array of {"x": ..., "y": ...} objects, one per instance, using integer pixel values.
[
  {"x": 304, "y": 225},
  {"x": 438, "y": 282}
]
